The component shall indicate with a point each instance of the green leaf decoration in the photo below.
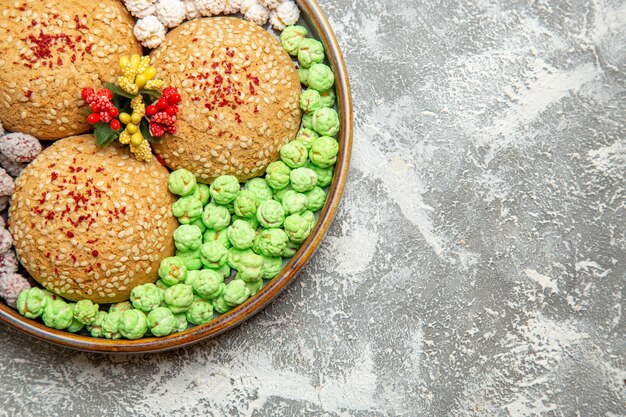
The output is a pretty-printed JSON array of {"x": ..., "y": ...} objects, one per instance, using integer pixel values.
[
  {"x": 104, "y": 134},
  {"x": 151, "y": 93},
  {"x": 86, "y": 110},
  {"x": 116, "y": 89},
  {"x": 144, "y": 128}
]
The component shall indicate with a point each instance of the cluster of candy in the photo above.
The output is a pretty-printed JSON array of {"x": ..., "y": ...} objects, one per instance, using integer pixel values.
[
  {"x": 120, "y": 111},
  {"x": 156, "y": 16}
]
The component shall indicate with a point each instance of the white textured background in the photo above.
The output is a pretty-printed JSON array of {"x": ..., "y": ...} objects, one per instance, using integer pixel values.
[{"x": 476, "y": 265}]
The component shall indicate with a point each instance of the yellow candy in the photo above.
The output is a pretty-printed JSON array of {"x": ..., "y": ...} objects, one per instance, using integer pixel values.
[
  {"x": 143, "y": 152},
  {"x": 124, "y": 62},
  {"x": 135, "y": 60},
  {"x": 150, "y": 73},
  {"x": 136, "y": 139},
  {"x": 135, "y": 118},
  {"x": 154, "y": 84},
  {"x": 141, "y": 81},
  {"x": 124, "y": 118},
  {"x": 124, "y": 138},
  {"x": 132, "y": 128}
]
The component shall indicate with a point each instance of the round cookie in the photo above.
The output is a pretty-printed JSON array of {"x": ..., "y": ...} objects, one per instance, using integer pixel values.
[
  {"x": 90, "y": 222},
  {"x": 240, "y": 98},
  {"x": 49, "y": 51}
]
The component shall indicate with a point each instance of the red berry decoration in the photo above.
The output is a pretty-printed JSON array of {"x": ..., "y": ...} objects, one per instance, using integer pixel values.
[
  {"x": 88, "y": 91},
  {"x": 156, "y": 130},
  {"x": 151, "y": 110},
  {"x": 115, "y": 124},
  {"x": 162, "y": 104},
  {"x": 174, "y": 98},
  {"x": 172, "y": 110},
  {"x": 105, "y": 93},
  {"x": 113, "y": 112},
  {"x": 93, "y": 118}
]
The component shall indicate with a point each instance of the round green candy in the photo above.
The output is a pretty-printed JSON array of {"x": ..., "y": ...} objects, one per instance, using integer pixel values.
[
  {"x": 316, "y": 198},
  {"x": 270, "y": 214},
  {"x": 250, "y": 267},
  {"x": 277, "y": 175},
  {"x": 198, "y": 223},
  {"x": 57, "y": 314},
  {"x": 307, "y": 121},
  {"x": 294, "y": 202},
  {"x": 191, "y": 259},
  {"x": 213, "y": 254},
  {"x": 324, "y": 151},
  {"x": 252, "y": 221},
  {"x": 303, "y": 76},
  {"x": 187, "y": 237},
  {"x": 303, "y": 179},
  {"x": 111, "y": 325},
  {"x": 32, "y": 303},
  {"x": 259, "y": 187},
  {"x": 191, "y": 276},
  {"x": 179, "y": 297},
  {"x": 234, "y": 257},
  {"x": 146, "y": 297},
  {"x": 220, "y": 236},
  {"x": 187, "y": 209},
  {"x": 309, "y": 216},
  {"x": 207, "y": 283},
  {"x": 307, "y": 137},
  {"x": 95, "y": 328},
  {"x": 272, "y": 265},
  {"x": 291, "y": 37},
  {"x": 216, "y": 217},
  {"x": 161, "y": 322},
  {"x": 320, "y": 77},
  {"x": 290, "y": 249},
  {"x": 202, "y": 193},
  {"x": 311, "y": 52},
  {"x": 324, "y": 175},
  {"x": 224, "y": 189},
  {"x": 172, "y": 270},
  {"x": 200, "y": 312},
  {"x": 256, "y": 245},
  {"x": 133, "y": 324},
  {"x": 294, "y": 154},
  {"x": 279, "y": 194},
  {"x": 86, "y": 312},
  {"x": 297, "y": 228},
  {"x": 124, "y": 305},
  {"x": 224, "y": 270},
  {"x": 328, "y": 98},
  {"x": 220, "y": 305},
  {"x": 181, "y": 321},
  {"x": 236, "y": 293},
  {"x": 231, "y": 208},
  {"x": 253, "y": 286},
  {"x": 272, "y": 242},
  {"x": 246, "y": 202},
  {"x": 326, "y": 123},
  {"x": 75, "y": 326},
  {"x": 181, "y": 182},
  {"x": 241, "y": 234},
  {"x": 310, "y": 100}
]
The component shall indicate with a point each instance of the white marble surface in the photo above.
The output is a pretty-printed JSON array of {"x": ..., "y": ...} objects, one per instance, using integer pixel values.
[{"x": 476, "y": 265}]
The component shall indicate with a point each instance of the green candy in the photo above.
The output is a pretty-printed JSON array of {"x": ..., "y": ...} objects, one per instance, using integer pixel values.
[
  {"x": 246, "y": 202},
  {"x": 252, "y": 221},
  {"x": 310, "y": 100},
  {"x": 250, "y": 267},
  {"x": 253, "y": 286},
  {"x": 200, "y": 312},
  {"x": 280, "y": 194},
  {"x": 216, "y": 217},
  {"x": 181, "y": 182},
  {"x": 277, "y": 175},
  {"x": 202, "y": 193},
  {"x": 236, "y": 293},
  {"x": 224, "y": 189},
  {"x": 207, "y": 283},
  {"x": 259, "y": 187},
  {"x": 272, "y": 242},
  {"x": 307, "y": 137},
  {"x": 297, "y": 228},
  {"x": 159, "y": 283},
  {"x": 307, "y": 121},
  {"x": 179, "y": 297},
  {"x": 187, "y": 237},
  {"x": 57, "y": 314},
  {"x": 86, "y": 312},
  {"x": 213, "y": 254},
  {"x": 32, "y": 303},
  {"x": 124, "y": 305},
  {"x": 294, "y": 154},
  {"x": 303, "y": 180},
  {"x": 191, "y": 276},
  {"x": 320, "y": 77},
  {"x": 219, "y": 236},
  {"x": 172, "y": 270},
  {"x": 187, "y": 209},
  {"x": 75, "y": 326},
  {"x": 220, "y": 305},
  {"x": 241, "y": 234},
  {"x": 198, "y": 223},
  {"x": 324, "y": 175},
  {"x": 324, "y": 151},
  {"x": 234, "y": 257},
  {"x": 294, "y": 202},
  {"x": 224, "y": 270},
  {"x": 270, "y": 214},
  {"x": 133, "y": 324},
  {"x": 181, "y": 321},
  {"x": 309, "y": 216},
  {"x": 161, "y": 322},
  {"x": 291, "y": 38},
  {"x": 272, "y": 265},
  {"x": 191, "y": 260},
  {"x": 303, "y": 76},
  {"x": 111, "y": 325},
  {"x": 328, "y": 98},
  {"x": 316, "y": 198},
  {"x": 95, "y": 328},
  {"x": 325, "y": 122},
  {"x": 146, "y": 297},
  {"x": 311, "y": 52},
  {"x": 290, "y": 249}
]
